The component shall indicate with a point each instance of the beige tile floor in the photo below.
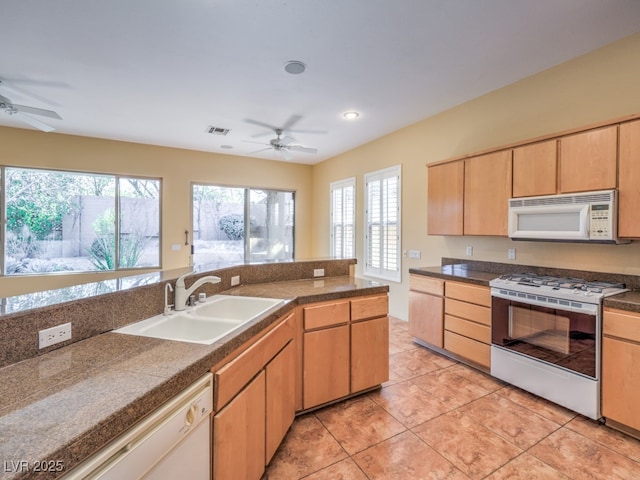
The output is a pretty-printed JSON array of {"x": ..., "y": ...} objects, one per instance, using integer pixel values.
[{"x": 439, "y": 419}]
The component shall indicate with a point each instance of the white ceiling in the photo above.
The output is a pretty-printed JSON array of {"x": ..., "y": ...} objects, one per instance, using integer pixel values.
[{"x": 162, "y": 71}]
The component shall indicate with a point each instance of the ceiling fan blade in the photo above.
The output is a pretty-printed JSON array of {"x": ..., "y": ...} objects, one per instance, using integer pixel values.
[
  {"x": 260, "y": 124},
  {"x": 285, "y": 154},
  {"x": 315, "y": 132},
  {"x": 258, "y": 151},
  {"x": 287, "y": 140},
  {"x": 37, "y": 111},
  {"x": 33, "y": 122},
  {"x": 257, "y": 143},
  {"x": 293, "y": 119},
  {"x": 300, "y": 148}
]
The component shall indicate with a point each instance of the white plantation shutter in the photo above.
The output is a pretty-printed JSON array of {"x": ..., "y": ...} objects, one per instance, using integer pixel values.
[
  {"x": 382, "y": 217},
  {"x": 343, "y": 210}
]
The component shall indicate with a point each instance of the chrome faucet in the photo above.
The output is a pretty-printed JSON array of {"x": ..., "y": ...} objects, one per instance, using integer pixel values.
[
  {"x": 182, "y": 293},
  {"x": 167, "y": 307}
]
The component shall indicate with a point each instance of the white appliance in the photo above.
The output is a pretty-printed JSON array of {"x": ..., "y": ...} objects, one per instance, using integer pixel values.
[
  {"x": 172, "y": 442},
  {"x": 546, "y": 337},
  {"x": 579, "y": 217}
]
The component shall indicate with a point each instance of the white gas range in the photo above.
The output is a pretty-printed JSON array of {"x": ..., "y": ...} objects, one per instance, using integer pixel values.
[{"x": 546, "y": 336}]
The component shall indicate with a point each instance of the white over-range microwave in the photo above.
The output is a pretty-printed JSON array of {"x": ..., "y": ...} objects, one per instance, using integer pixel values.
[{"x": 577, "y": 217}]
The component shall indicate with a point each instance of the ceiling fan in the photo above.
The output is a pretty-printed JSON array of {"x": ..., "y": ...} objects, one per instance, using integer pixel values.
[
  {"x": 285, "y": 128},
  {"x": 283, "y": 145},
  {"x": 24, "y": 112}
]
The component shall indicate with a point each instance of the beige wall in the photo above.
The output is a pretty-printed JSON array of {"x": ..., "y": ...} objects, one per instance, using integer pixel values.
[
  {"x": 596, "y": 87},
  {"x": 177, "y": 168}
]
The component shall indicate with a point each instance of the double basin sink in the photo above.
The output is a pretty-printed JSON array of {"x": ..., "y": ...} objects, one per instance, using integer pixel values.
[{"x": 205, "y": 322}]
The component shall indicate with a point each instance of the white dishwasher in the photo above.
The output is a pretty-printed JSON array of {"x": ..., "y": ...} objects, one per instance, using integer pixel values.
[{"x": 173, "y": 442}]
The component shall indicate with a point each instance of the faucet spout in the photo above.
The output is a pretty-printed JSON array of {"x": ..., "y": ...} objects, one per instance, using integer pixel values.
[
  {"x": 182, "y": 293},
  {"x": 167, "y": 289}
]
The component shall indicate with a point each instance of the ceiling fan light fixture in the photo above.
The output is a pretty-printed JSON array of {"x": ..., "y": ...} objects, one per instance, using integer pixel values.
[
  {"x": 294, "y": 67},
  {"x": 352, "y": 115}
]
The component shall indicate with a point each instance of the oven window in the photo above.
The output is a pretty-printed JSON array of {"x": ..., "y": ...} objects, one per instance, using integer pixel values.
[{"x": 563, "y": 338}]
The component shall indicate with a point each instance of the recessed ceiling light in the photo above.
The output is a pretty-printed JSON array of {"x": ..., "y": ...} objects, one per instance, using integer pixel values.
[
  {"x": 351, "y": 115},
  {"x": 294, "y": 67}
]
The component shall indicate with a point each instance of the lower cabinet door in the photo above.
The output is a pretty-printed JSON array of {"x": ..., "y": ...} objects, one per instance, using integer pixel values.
[
  {"x": 281, "y": 398},
  {"x": 239, "y": 435},
  {"x": 369, "y": 353},
  {"x": 326, "y": 368},
  {"x": 621, "y": 381},
  {"x": 426, "y": 317}
]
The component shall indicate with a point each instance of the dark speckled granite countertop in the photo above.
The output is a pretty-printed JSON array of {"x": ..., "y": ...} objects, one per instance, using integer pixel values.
[
  {"x": 457, "y": 272},
  {"x": 68, "y": 403}
]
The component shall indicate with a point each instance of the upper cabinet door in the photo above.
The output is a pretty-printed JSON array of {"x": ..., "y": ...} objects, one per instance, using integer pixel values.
[
  {"x": 487, "y": 189},
  {"x": 535, "y": 169},
  {"x": 629, "y": 199},
  {"x": 588, "y": 160},
  {"x": 444, "y": 198}
]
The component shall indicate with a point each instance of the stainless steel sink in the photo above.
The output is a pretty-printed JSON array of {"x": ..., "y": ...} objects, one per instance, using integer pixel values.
[{"x": 206, "y": 322}]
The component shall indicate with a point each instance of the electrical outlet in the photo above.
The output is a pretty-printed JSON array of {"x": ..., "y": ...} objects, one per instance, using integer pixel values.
[
  {"x": 53, "y": 335},
  {"x": 235, "y": 280},
  {"x": 511, "y": 254},
  {"x": 414, "y": 254},
  {"x": 318, "y": 272},
  {"x": 469, "y": 251}
]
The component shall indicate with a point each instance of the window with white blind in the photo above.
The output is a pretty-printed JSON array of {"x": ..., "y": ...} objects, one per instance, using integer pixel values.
[
  {"x": 382, "y": 223},
  {"x": 343, "y": 213}
]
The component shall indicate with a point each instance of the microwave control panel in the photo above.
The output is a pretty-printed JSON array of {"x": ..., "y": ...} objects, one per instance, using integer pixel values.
[{"x": 600, "y": 221}]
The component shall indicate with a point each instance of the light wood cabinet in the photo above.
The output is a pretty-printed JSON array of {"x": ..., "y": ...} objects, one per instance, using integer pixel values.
[
  {"x": 487, "y": 189},
  {"x": 621, "y": 367},
  {"x": 588, "y": 160},
  {"x": 254, "y": 403},
  {"x": 628, "y": 181},
  {"x": 445, "y": 196},
  {"x": 454, "y": 317},
  {"x": 369, "y": 342},
  {"x": 326, "y": 365},
  {"x": 239, "y": 435},
  {"x": 280, "y": 393},
  {"x": 426, "y": 309},
  {"x": 467, "y": 322},
  {"x": 345, "y": 348},
  {"x": 535, "y": 169}
]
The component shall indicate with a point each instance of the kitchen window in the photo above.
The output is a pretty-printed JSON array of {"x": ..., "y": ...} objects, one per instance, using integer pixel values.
[
  {"x": 382, "y": 223},
  {"x": 343, "y": 213},
  {"x": 56, "y": 221},
  {"x": 238, "y": 224}
]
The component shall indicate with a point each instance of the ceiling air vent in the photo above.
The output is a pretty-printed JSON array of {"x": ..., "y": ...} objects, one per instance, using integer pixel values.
[{"x": 217, "y": 130}]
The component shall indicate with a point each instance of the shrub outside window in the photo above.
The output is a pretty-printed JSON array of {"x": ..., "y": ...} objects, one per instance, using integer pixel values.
[
  {"x": 58, "y": 221},
  {"x": 236, "y": 224}
]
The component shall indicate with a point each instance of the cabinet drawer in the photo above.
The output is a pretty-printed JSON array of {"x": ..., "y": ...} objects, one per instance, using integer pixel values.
[
  {"x": 618, "y": 323},
  {"x": 230, "y": 379},
  {"x": 473, "y": 330},
  {"x": 369, "y": 307},
  {"x": 468, "y": 293},
  {"x": 468, "y": 311},
  {"x": 473, "y": 350},
  {"x": 420, "y": 283},
  {"x": 326, "y": 314}
]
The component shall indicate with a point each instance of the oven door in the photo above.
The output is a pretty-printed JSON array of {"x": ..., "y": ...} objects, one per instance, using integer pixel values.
[
  {"x": 561, "y": 332},
  {"x": 549, "y": 347}
]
